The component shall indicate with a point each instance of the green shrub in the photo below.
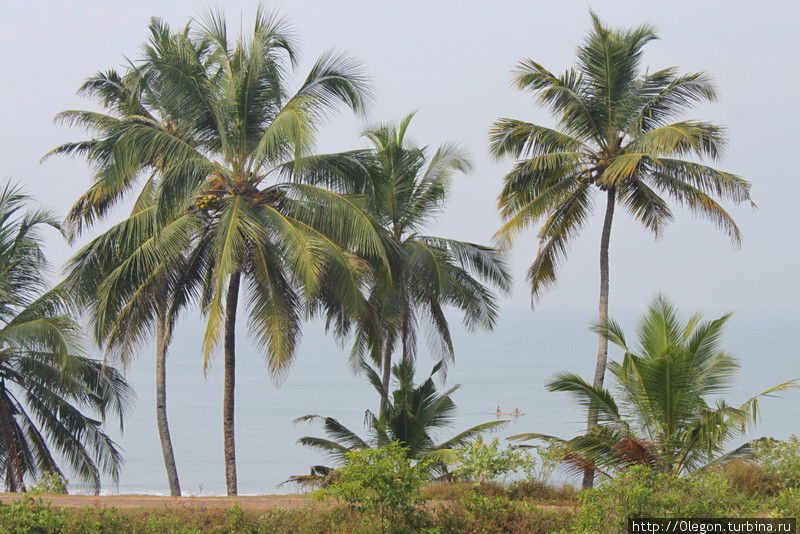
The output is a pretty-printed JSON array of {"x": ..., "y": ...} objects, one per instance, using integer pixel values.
[
  {"x": 383, "y": 482},
  {"x": 787, "y": 504},
  {"x": 483, "y": 462},
  {"x": 30, "y": 515},
  {"x": 781, "y": 459},
  {"x": 50, "y": 482},
  {"x": 642, "y": 492}
]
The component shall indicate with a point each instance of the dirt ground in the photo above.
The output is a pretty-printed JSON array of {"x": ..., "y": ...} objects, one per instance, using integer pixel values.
[{"x": 256, "y": 503}]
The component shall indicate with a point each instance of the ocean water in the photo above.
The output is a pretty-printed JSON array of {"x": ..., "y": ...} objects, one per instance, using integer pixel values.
[{"x": 508, "y": 367}]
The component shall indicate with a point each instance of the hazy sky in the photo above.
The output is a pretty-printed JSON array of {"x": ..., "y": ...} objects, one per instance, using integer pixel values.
[{"x": 450, "y": 60}]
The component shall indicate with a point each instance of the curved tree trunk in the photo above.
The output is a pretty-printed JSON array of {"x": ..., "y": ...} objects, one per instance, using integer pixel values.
[
  {"x": 602, "y": 344},
  {"x": 15, "y": 481},
  {"x": 387, "y": 375},
  {"x": 406, "y": 332},
  {"x": 161, "y": 406},
  {"x": 231, "y": 303}
]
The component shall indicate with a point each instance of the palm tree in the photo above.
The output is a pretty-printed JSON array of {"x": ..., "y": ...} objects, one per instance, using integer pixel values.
[
  {"x": 661, "y": 415},
  {"x": 49, "y": 391},
  {"x": 123, "y": 97},
  {"x": 405, "y": 187},
  {"x": 230, "y": 125},
  {"x": 412, "y": 415},
  {"x": 615, "y": 134}
]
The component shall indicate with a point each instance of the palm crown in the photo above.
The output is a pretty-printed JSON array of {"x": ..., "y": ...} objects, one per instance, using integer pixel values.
[
  {"x": 214, "y": 124},
  {"x": 404, "y": 187},
  {"x": 616, "y": 134},
  {"x": 413, "y": 414}
]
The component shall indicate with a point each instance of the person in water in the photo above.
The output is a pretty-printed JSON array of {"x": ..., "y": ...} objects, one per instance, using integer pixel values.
[{"x": 497, "y": 411}]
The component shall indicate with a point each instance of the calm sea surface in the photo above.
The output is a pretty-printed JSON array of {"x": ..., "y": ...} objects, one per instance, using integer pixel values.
[{"x": 508, "y": 366}]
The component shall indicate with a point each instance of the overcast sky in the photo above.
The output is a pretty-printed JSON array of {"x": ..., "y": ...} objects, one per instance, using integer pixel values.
[{"x": 451, "y": 60}]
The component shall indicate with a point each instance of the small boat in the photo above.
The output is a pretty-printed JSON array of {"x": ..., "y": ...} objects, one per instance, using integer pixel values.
[{"x": 509, "y": 413}]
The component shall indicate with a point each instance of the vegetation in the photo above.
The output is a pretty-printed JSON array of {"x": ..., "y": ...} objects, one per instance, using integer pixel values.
[
  {"x": 615, "y": 135},
  {"x": 639, "y": 492},
  {"x": 51, "y": 393},
  {"x": 124, "y": 308},
  {"x": 204, "y": 139},
  {"x": 217, "y": 214},
  {"x": 779, "y": 459},
  {"x": 411, "y": 417},
  {"x": 483, "y": 462},
  {"x": 643, "y": 492},
  {"x": 405, "y": 187},
  {"x": 382, "y": 481},
  {"x": 661, "y": 417}
]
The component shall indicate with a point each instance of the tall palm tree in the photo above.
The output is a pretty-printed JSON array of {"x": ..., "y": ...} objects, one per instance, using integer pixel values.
[
  {"x": 50, "y": 392},
  {"x": 405, "y": 187},
  {"x": 218, "y": 200},
  {"x": 122, "y": 97},
  {"x": 412, "y": 416},
  {"x": 661, "y": 415},
  {"x": 615, "y": 135}
]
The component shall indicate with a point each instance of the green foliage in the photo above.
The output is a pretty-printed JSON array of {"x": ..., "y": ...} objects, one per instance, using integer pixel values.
[
  {"x": 412, "y": 416},
  {"x": 481, "y": 462},
  {"x": 30, "y": 515},
  {"x": 616, "y": 134},
  {"x": 781, "y": 459},
  {"x": 662, "y": 414},
  {"x": 788, "y": 503},
  {"x": 382, "y": 481},
  {"x": 643, "y": 492},
  {"x": 53, "y": 397},
  {"x": 52, "y": 483},
  {"x": 404, "y": 187},
  {"x": 207, "y": 122}
]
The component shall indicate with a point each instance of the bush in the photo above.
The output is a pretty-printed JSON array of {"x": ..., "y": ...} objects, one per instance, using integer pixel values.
[
  {"x": 381, "y": 481},
  {"x": 781, "y": 459},
  {"x": 30, "y": 515},
  {"x": 751, "y": 478},
  {"x": 52, "y": 483},
  {"x": 487, "y": 462},
  {"x": 490, "y": 462},
  {"x": 642, "y": 492},
  {"x": 787, "y": 503},
  {"x": 489, "y": 515}
]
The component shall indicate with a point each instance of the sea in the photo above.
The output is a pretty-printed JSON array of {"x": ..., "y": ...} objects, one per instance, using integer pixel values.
[{"x": 507, "y": 367}]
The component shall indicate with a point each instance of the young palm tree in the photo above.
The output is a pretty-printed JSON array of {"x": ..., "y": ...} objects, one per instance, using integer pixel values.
[
  {"x": 49, "y": 390},
  {"x": 615, "y": 135},
  {"x": 661, "y": 415},
  {"x": 412, "y": 415},
  {"x": 226, "y": 124},
  {"x": 405, "y": 187}
]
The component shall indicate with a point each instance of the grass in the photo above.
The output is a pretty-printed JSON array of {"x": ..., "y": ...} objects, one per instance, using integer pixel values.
[{"x": 740, "y": 489}]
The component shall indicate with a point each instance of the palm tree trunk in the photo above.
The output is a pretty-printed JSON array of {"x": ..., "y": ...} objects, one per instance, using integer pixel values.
[
  {"x": 387, "y": 374},
  {"x": 161, "y": 405},
  {"x": 405, "y": 333},
  {"x": 602, "y": 343},
  {"x": 231, "y": 303},
  {"x": 14, "y": 478}
]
